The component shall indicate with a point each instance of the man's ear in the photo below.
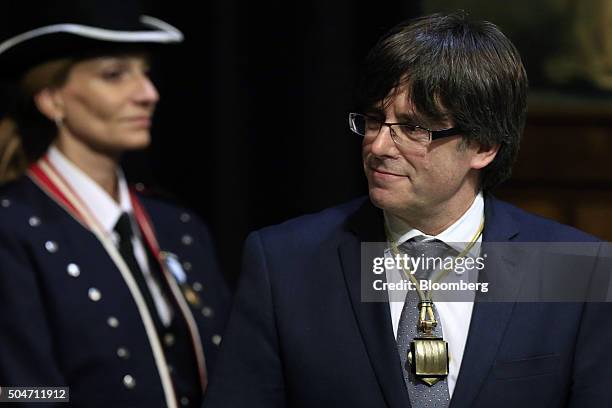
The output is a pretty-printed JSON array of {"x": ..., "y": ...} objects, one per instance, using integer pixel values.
[
  {"x": 483, "y": 155},
  {"x": 49, "y": 102}
]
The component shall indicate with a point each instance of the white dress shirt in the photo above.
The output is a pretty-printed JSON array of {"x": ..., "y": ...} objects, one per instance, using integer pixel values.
[
  {"x": 107, "y": 212},
  {"x": 454, "y": 316}
]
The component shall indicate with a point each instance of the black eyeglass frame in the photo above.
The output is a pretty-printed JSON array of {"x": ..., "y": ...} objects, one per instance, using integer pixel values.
[{"x": 433, "y": 134}]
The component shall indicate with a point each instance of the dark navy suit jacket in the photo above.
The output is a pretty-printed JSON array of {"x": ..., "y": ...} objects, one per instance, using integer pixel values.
[
  {"x": 299, "y": 335},
  {"x": 53, "y": 334}
]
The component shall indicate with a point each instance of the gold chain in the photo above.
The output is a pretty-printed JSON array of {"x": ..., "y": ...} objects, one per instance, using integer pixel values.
[{"x": 408, "y": 274}]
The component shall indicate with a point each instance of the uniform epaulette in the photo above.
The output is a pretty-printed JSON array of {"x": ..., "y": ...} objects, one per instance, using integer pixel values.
[
  {"x": 158, "y": 193},
  {"x": 154, "y": 191}
]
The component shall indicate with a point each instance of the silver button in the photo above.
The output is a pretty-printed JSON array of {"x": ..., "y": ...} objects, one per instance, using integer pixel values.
[
  {"x": 197, "y": 286},
  {"x": 34, "y": 221},
  {"x": 113, "y": 322},
  {"x": 139, "y": 187},
  {"x": 187, "y": 266},
  {"x": 73, "y": 270},
  {"x": 51, "y": 246},
  {"x": 123, "y": 353},
  {"x": 187, "y": 240},
  {"x": 185, "y": 217},
  {"x": 216, "y": 339},
  {"x": 169, "y": 339},
  {"x": 184, "y": 401},
  {"x": 94, "y": 294},
  {"x": 170, "y": 369},
  {"x": 129, "y": 381},
  {"x": 5, "y": 202},
  {"x": 207, "y": 311}
]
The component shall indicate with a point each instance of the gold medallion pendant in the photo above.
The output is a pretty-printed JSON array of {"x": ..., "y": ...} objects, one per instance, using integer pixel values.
[{"x": 428, "y": 355}]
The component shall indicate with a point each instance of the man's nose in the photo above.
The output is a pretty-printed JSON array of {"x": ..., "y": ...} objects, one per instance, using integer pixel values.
[{"x": 383, "y": 144}]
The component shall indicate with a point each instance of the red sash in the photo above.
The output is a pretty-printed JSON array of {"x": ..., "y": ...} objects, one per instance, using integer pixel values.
[{"x": 50, "y": 180}]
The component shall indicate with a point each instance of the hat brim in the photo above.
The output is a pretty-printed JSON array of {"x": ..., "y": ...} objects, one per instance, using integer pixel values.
[{"x": 28, "y": 49}]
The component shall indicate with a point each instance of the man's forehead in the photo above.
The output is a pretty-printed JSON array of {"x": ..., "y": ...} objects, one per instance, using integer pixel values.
[
  {"x": 397, "y": 102},
  {"x": 400, "y": 104}
]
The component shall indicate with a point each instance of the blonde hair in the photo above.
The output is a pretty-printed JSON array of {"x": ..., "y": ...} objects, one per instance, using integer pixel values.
[{"x": 15, "y": 157}]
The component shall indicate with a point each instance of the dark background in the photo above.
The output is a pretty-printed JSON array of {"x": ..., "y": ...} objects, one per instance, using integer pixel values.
[{"x": 252, "y": 125}]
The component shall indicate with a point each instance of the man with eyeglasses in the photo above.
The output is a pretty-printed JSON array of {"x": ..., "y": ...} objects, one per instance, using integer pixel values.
[{"x": 441, "y": 106}]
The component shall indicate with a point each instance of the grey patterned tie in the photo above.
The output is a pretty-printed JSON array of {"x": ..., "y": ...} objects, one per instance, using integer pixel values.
[{"x": 421, "y": 395}]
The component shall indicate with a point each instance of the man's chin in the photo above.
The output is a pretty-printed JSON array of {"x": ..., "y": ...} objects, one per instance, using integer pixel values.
[{"x": 384, "y": 199}]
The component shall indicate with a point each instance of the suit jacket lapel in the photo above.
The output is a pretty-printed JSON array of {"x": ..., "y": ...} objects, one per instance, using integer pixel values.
[
  {"x": 373, "y": 318},
  {"x": 488, "y": 322},
  {"x": 489, "y": 319}
]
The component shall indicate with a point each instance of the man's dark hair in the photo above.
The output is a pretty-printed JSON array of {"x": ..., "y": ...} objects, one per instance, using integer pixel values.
[{"x": 458, "y": 69}]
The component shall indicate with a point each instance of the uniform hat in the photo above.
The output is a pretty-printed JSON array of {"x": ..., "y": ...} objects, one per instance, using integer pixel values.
[{"x": 34, "y": 33}]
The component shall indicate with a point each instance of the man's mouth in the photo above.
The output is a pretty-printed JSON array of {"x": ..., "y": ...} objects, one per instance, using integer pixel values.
[{"x": 386, "y": 172}]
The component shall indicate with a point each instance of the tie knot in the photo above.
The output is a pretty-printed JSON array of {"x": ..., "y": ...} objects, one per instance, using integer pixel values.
[
  {"x": 123, "y": 227},
  {"x": 431, "y": 251},
  {"x": 420, "y": 245}
]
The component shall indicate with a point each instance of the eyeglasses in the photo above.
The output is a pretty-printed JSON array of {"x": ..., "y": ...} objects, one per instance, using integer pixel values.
[{"x": 403, "y": 134}]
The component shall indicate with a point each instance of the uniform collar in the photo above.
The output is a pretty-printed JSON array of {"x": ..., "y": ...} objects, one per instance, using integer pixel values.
[
  {"x": 455, "y": 236},
  {"x": 103, "y": 207}
]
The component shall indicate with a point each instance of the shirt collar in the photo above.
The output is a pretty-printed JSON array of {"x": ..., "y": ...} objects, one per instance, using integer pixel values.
[
  {"x": 102, "y": 206},
  {"x": 456, "y": 235}
]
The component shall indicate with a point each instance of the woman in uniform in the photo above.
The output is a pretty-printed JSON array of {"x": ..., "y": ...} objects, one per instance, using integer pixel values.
[{"x": 103, "y": 289}]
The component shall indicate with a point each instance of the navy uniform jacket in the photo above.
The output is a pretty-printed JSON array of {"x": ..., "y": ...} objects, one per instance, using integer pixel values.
[
  {"x": 53, "y": 334},
  {"x": 299, "y": 335}
]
